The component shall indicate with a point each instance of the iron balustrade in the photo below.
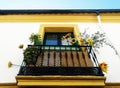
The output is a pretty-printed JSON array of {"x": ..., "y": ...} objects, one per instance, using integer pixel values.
[{"x": 63, "y": 60}]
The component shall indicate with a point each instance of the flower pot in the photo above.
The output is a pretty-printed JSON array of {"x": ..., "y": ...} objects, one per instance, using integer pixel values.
[{"x": 37, "y": 43}]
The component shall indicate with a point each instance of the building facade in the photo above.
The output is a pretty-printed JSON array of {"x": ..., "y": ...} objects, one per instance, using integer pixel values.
[{"x": 61, "y": 61}]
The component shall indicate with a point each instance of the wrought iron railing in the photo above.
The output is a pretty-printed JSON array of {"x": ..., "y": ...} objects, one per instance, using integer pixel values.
[{"x": 63, "y": 60}]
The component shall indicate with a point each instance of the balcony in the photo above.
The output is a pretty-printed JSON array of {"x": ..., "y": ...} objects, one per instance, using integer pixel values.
[{"x": 66, "y": 63}]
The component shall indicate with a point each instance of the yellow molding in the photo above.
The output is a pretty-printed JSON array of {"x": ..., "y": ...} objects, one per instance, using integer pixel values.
[
  {"x": 8, "y": 84},
  {"x": 60, "y": 80},
  {"x": 61, "y": 83},
  {"x": 112, "y": 83},
  {"x": 60, "y": 77},
  {"x": 14, "y": 85},
  {"x": 47, "y": 18},
  {"x": 71, "y": 17},
  {"x": 110, "y": 17}
]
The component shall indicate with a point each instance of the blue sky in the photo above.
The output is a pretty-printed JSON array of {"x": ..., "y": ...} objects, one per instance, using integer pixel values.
[{"x": 59, "y": 4}]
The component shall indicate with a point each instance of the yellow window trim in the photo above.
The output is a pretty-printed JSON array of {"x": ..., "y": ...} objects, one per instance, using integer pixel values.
[{"x": 60, "y": 28}]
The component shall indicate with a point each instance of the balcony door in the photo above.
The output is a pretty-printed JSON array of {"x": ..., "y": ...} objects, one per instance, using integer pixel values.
[{"x": 55, "y": 38}]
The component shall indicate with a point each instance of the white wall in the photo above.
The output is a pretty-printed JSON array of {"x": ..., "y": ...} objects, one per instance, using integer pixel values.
[
  {"x": 13, "y": 34},
  {"x": 106, "y": 53}
]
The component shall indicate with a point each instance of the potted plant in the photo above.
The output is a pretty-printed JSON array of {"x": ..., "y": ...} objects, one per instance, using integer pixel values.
[
  {"x": 74, "y": 42},
  {"x": 30, "y": 55},
  {"x": 70, "y": 39},
  {"x": 35, "y": 39}
]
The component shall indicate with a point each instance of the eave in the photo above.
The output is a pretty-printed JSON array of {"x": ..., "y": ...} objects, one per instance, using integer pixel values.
[{"x": 56, "y": 11}]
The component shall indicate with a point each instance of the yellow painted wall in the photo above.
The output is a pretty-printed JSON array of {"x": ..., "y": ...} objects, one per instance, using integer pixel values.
[{"x": 70, "y": 17}]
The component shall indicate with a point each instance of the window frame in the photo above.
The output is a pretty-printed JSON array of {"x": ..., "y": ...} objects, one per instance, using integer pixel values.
[{"x": 59, "y": 36}]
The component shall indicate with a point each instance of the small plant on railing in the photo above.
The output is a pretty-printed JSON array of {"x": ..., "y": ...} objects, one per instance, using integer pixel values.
[
  {"x": 70, "y": 39},
  {"x": 35, "y": 39}
]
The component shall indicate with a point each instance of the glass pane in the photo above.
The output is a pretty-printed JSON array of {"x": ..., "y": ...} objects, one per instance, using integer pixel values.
[
  {"x": 51, "y": 40},
  {"x": 51, "y": 37}
]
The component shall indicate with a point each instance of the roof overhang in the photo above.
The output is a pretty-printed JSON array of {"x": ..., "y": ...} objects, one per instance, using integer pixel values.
[{"x": 62, "y": 11}]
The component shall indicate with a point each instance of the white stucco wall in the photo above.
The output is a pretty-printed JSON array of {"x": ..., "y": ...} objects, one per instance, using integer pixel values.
[{"x": 13, "y": 34}]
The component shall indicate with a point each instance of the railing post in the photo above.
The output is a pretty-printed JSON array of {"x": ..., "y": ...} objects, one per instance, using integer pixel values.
[
  {"x": 97, "y": 63},
  {"x": 76, "y": 48},
  {"x": 54, "y": 55},
  {"x": 60, "y": 57},
  {"x": 48, "y": 55},
  {"x": 42, "y": 55},
  {"x": 66, "y": 56},
  {"x": 72, "y": 56},
  {"x": 83, "y": 50}
]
